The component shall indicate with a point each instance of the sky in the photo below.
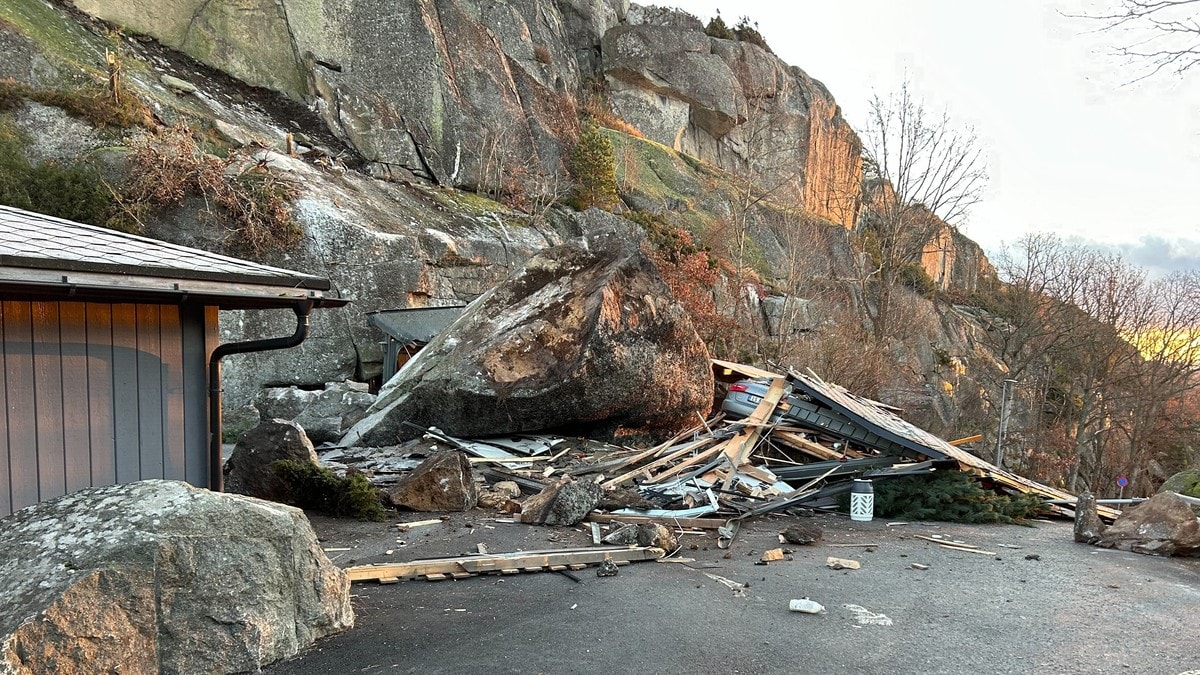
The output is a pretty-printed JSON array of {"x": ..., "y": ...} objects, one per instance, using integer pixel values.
[{"x": 1074, "y": 146}]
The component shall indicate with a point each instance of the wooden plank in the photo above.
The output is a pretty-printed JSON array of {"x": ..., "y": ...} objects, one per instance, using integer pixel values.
[
  {"x": 125, "y": 393},
  {"x": 48, "y": 401},
  {"x": 435, "y": 576},
  {"x": 100, "y": 394},
  {"x": 698, "y": 523},
  {"x": 509, "y": 563},
  {"x": 652, "y": 452},
  {"x": 150, "y": 376},
  {"x": 804, "y": 445},
  {"x": 743, "y": 444},
  {"x": 691, "y": 461},
  {"x": 171, "y": 332},
  {"x": 77, "y": 446},
  {"x": 968, "y": 439},
  {"x": 943, "y": 541},
  {"x": 966, "y": 549},
  {"x": 683, "y": 450},
  {"x": 577, "y": 566}
]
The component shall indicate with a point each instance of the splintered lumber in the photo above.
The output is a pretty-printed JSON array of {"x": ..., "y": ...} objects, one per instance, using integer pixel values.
[
  {"x": 698, "y": 523},
  {"x": 965, "y": 549},
  {"x": 681, "y": 451},
  {"x": 691, "y": 461},
  {"x": 968, "y": 439},
  {"x": 504, "y": 563},
  {"x": 806, "y": 446}
]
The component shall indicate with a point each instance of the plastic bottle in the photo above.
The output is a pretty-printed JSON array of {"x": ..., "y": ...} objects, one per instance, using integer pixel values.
[{"x": 807, "y": 606}]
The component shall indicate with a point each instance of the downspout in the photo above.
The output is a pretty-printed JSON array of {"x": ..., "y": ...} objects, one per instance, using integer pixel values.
[{"x": 216, "y": 480}]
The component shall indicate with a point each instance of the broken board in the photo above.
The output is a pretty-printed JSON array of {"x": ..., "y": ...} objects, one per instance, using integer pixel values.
[{"x": 504, "y": 563}]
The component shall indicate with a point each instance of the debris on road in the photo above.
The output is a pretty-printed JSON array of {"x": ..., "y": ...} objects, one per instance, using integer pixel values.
[
  {"x": 608, "y": 568},
  {"x": 462, "y": 567},
  {"x": 802, "y": 534},
  {"x": 772, "y": 555},
  {"x": 739, "y": 589},
  {"x": 842, "y": 563},
  {"x": 865, "y": 617},
  {"x": 919, "y": 566},
  {"x": 806, "y": 606}
]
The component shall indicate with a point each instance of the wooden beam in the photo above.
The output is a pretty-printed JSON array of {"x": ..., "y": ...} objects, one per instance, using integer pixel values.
[
  {"x": 506, "y": 563},
  {"x": 683, "y": 450},
  {"x": 968, "y": 439},
  {"x": 699, "y": 523}
]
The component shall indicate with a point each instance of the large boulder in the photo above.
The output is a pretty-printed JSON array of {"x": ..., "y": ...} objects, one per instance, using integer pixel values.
[
  {"x": 158, "y": 576},
  {"x": 1161, "y": 525},
  {"x": 325, "y": 414},
  {"x": 1186, "y": 483},
  {"x": 248, "y": 470},
  {"x": 585, "y": 335}
]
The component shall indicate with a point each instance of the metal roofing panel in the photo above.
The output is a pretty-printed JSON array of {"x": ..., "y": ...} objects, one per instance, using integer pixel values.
[
  {"x": 415, "y": 324},
  {"x": 36, "y": 241}
]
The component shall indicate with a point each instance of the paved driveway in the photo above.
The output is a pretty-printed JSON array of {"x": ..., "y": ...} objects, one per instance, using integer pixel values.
[{"x": 1074, "y": 609}]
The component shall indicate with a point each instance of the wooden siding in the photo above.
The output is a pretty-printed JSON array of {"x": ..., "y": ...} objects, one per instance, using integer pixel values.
[{"x": 96, "y": 394}]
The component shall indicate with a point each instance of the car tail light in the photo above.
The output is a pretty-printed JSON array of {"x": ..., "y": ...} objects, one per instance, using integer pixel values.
[{"x": 739, "y": 386}]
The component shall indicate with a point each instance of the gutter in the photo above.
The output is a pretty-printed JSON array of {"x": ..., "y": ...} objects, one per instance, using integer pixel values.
[{"x": 216, "y": 479}]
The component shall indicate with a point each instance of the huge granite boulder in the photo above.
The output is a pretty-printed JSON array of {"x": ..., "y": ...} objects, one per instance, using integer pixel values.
[
  {"x": 325, "y": 414},
  {"x": 158, "y": 576},
  {"x": 584, "y": 335},
  {"x": 1162, "y": 525},
  {"x": 249, "y": 471},
  {"x": 1186, "y": 483}
]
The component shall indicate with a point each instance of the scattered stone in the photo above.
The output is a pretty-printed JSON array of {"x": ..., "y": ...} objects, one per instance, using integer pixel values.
[
  {"x": 441, "y": 483},
  {"x": 232, "y": 134},
  {"x": 608, "y": 568},
  {"x": 499, "y": 495},
  {"x": 178, "y": 85},
  {"x": 1033, "y": 556},
  {"x": 566, "y": 501},
  {"x": 1088, "y": 528},
  {"x": 624, "y": 498},
  {"x": 248, "y": 470},
  {"x": 585, "y": 334},
  {"x": 1186, "y": 483},
  {"x": 802, "y": 534},
  {"x": 1162, "y": 525},
  {"x": 158, "y": 576},
  {"x": 842, "y": 564},
  {"x": 644, "y": 534}
]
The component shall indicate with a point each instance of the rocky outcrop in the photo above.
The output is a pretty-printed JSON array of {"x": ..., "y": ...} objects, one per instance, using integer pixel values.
[
  {"x": 955, "y": 262},
  {"x": 465, "y": 94},
  {"x": 584, "y": 335},
  {"x": 248, "y": 470},
  {"x": 739, "y": 107},
  {"x": 158, "y": 576}
]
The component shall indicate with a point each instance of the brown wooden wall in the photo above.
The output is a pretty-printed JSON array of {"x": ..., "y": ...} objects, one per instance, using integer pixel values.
[{"x": 97, "y": 394}]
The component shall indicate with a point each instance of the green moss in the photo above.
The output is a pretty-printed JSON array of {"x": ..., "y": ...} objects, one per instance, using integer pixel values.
[
  {"x": 321, "y": 489},
  {"x": 90, "y": 104},
  {"x": 651, "y": 169},
  {"x": 1186, "y": 483},
  {"x": 55, "y": 34}
]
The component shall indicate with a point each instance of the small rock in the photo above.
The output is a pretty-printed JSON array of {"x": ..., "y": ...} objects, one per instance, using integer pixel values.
[
  {"x": 608, "y": 568},
  {"x": 181, "y": 86},
  {"x": 1033, "y": 556},
  {"x": 842, "y": 563},
  {"x": 802, "y": 534},
  {"x": 563, "y": 502}
]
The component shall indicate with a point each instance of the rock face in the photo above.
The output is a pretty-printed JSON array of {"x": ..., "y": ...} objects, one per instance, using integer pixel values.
[
  {"x": 463, "y": 93},
  {"x": 1186, "y": 483},
  {"x": 563, "y": 502},
  {"x": 325, "y": 415},
  {"x": 443, "y": 482},
  {"x": 248, "y": 470},
  {"x": 1161, "y": 525},
  {"x": 1088, "y": 528},
  {"x": 737, "y": 106},
  {"x": 158, "y": 576},
  {"x": 583, "y": 335}
]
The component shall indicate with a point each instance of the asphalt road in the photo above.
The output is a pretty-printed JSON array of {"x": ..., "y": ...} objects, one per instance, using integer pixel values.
[{"x": 1075, "y": 609}]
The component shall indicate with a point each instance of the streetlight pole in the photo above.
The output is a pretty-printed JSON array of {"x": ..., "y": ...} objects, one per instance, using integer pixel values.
[{"x": 1005, "y": 399}]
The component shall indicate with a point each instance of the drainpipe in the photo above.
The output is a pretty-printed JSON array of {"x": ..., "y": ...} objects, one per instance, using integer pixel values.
[{"x": 216, "y": 481}]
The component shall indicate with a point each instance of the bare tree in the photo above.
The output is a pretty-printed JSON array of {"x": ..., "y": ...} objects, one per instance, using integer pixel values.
[
  {"x": 1162, "y": 34},
  {"x": 927, "y": 174}
]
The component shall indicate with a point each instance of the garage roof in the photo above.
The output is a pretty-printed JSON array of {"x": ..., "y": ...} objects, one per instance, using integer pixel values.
[{"x": 43, "y": 254}]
